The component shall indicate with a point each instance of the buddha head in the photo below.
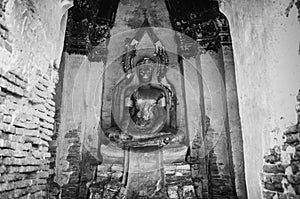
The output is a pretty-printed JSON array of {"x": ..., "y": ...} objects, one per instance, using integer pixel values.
[{"x": 145, "y": 68}]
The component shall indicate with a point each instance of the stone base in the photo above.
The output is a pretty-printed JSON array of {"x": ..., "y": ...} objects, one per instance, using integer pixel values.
[
  {"x": 178, "y": 181},
  {"x": 171, "y": 153}
]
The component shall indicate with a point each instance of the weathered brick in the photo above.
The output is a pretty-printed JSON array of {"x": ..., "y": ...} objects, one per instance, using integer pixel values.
[
  {"x": 21, "y": 184},
  {"x": 26, "y": 169},
  {"x": 41, "y": 94},
  {"x": 274, "y": 168},
  {"x": 15, "y": 138},
  {"x": 50, "y": 102},
  {"x": 44, "y": 116},
  {"x": 34, "y": 99},
  {"x": 11, "y": 87},
  {"x": 28, "y": 161},
  {"x": 27, "y": 132},
  {"x": 39, "y": 154},
  {"x": 15, "y": 145},
  {"x": 47, "y": 125},
  {"x": 37, "y": 141},
  {"x": 27, "y": 125},
  {"x": 45, "y": 137},
  {"x": 40, "y": 107},
  {"x": 12, "y": 177},
  {"x": 41, "y": 87},
  {"x": 50, "y": 107},
  {"x": 273, "y": 182},
  {"x": 6, "y": 127},
  {"x": 12, "y": 153},
  {"x": 13, "y": 194},
  {"x": 46, "y": 131},
  {"x": 51, "y": 113}
]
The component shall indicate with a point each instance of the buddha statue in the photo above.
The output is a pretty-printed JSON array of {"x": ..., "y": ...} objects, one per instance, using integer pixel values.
[{"x": 143, "y": 114}]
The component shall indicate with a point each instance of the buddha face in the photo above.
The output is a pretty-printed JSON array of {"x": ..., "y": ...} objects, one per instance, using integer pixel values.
[{"x": 145, "y": 73}]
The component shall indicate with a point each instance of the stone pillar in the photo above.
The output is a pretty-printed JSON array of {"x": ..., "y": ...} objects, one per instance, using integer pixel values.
[
  {"x": 192, "y": 99},
  {"x": 235, "y": 130},
  {"x": 217, "y": 138},
  {"x": 213, "y": 149},
  {"x": 78, "y": 132},
  {"x": 211, "y": 145},
  {"x": 87, "y": 37},
  {"x": 195, "y": 112}
]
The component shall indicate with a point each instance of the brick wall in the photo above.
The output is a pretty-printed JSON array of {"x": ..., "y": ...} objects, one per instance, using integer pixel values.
[
  {"x": 26, "y": 130},
  {"x": 281, "y": 170},
  {"x": 28, "y": 57}
]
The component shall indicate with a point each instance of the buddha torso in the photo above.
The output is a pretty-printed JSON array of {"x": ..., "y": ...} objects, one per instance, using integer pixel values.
[{"x": 147, "y": 105}]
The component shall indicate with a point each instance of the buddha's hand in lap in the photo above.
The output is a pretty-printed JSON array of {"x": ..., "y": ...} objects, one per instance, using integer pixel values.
[
  {"x": 125, "y": 137},
  {"x": 114, "y": 136}
]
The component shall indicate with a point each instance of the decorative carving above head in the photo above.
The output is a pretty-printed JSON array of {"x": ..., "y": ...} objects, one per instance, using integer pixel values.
[
  {"x": 200, "y": 24},
  {"x": 99, "y": 34},
  {"x": 99, "y": 31},
  {"x": 130, "y": 60},
  {"x": 205, "y": 33},
  {"x": 159, "y": 55},
  {"x": 88, "y": 27}
]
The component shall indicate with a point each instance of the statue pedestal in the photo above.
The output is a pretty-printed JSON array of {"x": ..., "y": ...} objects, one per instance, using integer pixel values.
[
  {"x": 178, "y": 181},
  {"x": 145, "y": 170},
  {"x": 145, "y": 173},
  {"x": 173, "y": 153}
]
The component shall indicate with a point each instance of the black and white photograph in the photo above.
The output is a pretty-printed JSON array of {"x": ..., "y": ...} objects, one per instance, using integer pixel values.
[{"x": 149, "y": 99}]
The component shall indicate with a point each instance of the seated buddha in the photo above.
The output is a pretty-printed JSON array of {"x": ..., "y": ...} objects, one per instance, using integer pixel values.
[
  {"x": 144, "y": 104},
  {"x": 144, "y": 118},
  {"x": 143, "y": 128},
  {"x": 144, "y": 114}
]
